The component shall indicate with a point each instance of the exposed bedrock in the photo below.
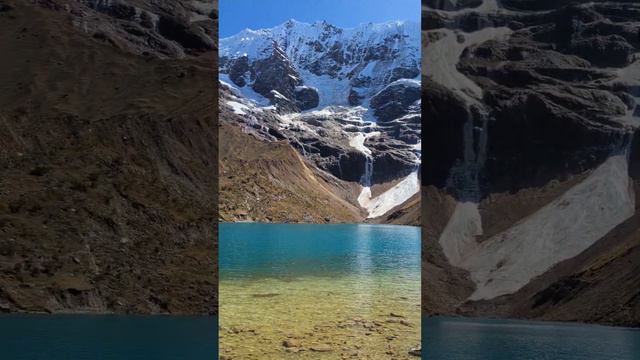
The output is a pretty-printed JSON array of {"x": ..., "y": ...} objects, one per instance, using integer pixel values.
[
  {"x": 325, "y": 139},
  {"x": 390, "y": 165},
  {"x": 392, "y": 158},
  {"x": 404, "y": 73},
  {"x": 239, "y": 70},
  {"x": 275, "y": 73},
  {"x": 444, "y": 114},
  {"x": 190, "y": 36},
  {"x": 395, "y": 99}
]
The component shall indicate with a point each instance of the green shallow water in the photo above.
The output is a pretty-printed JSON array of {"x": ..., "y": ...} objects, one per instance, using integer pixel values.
[{"x": 346, "y": 292}]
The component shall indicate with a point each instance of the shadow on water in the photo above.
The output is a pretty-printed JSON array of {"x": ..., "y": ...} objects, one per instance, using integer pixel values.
[
  {"x": 484, "y": 339},
  {"x": 108, "y": 337}
]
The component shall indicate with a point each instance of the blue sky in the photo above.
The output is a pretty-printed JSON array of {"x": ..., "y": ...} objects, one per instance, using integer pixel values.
[{"x": 237, "y": 15}]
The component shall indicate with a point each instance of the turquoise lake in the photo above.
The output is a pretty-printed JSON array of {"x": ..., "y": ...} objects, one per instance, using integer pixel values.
[
  {"x": 345, "y": 290},
  {"x": 107, "y": 337},
  {"x": 250, "y": 250},
  {"x": 475, "y": 339}
]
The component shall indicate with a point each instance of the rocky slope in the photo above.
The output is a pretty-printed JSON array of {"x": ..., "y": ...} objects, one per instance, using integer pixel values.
[
  {"x": 346, "y": 99},
  {"x": 107, "y": 155},
  {"x": 271, "y": 182},
  {"x": 531, "y": 111}
]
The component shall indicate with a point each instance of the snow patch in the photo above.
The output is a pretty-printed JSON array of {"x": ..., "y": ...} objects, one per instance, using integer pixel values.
[
  {"x": 238, "y": 108},
  {"x": 391, "y": 198},
  {"x": 442, "y": 57},
  {"x": 245, "y": 91},
  {"x": 277, "y": 95},
  {"x": 561, "y": 230},
  {"x": 357, "y": 142}
]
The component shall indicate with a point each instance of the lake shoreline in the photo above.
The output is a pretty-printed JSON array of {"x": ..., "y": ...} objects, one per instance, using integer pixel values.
[{"x": 532, "y": 321}]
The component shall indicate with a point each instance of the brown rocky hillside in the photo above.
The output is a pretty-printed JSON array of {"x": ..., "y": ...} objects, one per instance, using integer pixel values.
[{"x": 107, "y": 162}]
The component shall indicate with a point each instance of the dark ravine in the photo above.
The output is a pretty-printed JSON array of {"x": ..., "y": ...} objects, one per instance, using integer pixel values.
[
  {"x": 558, "y": 100},
  {"x": 108, "y": 157}
]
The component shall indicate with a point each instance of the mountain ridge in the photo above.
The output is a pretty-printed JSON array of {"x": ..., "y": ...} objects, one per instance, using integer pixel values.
[{"x": 341, "y": 98}]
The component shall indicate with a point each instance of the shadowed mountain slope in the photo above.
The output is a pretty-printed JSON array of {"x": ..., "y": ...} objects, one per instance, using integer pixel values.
[{"x": 108, "y": 161}]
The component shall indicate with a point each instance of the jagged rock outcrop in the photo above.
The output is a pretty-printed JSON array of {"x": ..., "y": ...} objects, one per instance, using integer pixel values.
[
  {"x": 324, "y": 137},
  {"x": 274, "y": 73}
]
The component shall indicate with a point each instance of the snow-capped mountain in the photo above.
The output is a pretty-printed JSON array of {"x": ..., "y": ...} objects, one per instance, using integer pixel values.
[
  {"x": 347, "y": 99},
  {"x": 341, "y": 66}
]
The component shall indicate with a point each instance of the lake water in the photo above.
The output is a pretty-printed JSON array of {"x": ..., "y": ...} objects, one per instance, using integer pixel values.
[
  {"x": 326, "y": 290},
  {"x": 476, "y": 339},
  {"x": 107, "y": 337}
]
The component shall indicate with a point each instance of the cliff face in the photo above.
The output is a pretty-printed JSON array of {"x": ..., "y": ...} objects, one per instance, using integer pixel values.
[
  {"x": 530, "y": 146},
  {"x": 108, "y": 159}
]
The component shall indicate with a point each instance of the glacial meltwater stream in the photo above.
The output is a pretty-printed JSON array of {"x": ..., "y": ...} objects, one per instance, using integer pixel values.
[{"x": 291, "y": 291}]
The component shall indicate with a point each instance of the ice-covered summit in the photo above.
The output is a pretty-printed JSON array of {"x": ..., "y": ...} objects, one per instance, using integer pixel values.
[{"x": 344, "y": 66}]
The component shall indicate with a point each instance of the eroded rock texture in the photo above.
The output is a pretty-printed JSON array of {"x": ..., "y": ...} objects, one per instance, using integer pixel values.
[{"x": 535, "y": 119}]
